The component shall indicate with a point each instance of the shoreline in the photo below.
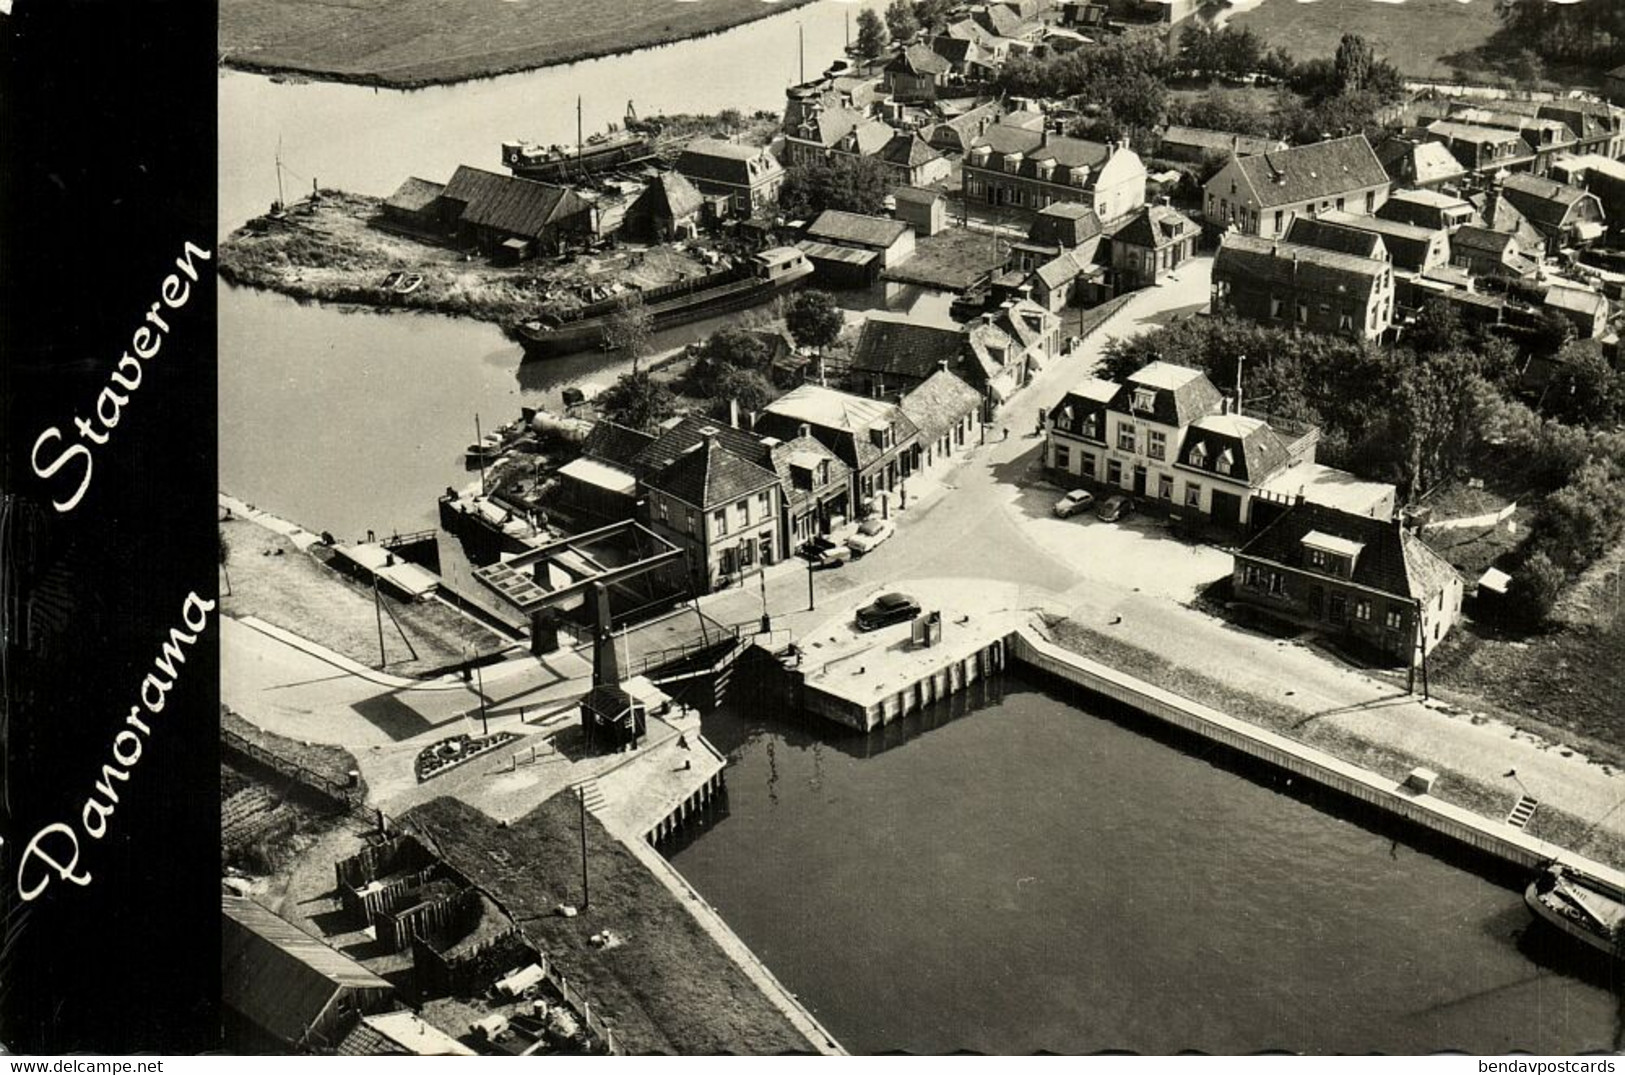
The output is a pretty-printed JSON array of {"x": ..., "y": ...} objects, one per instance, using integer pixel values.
[{"x": 292, "y": 71}]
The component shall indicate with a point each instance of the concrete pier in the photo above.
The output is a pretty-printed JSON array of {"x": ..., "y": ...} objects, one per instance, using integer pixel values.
[{"x": 1494, "y": 838}]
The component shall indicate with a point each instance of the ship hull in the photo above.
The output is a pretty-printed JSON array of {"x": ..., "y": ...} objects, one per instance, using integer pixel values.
[
  {"x": 591, "y": 159},
  {"x": 588, "y": 333},
  {"x": 1568, "y": 924}
]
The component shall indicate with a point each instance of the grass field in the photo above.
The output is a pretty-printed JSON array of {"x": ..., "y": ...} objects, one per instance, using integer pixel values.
[
  {"x": 1423, "y": 38},
  {"x": 669, "y": 988},
  {"x": 422, "y": 42}
]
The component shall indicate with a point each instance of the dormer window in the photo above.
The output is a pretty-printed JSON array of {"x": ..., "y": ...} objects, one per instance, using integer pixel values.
[
  {"x": 1330, "y": 555},
  {"x": 979, "y": 155},
  {"x": 1079, "y": 176},
  {"x": 1226, "y": 462},
  {"x": 1046, "y": 168},
  {"x": 1091, "y": 426},
  {"x": 1012, "y": 163},
  {"x": 1199, "y": 454},
  {"x": 1144, "y": 399}
]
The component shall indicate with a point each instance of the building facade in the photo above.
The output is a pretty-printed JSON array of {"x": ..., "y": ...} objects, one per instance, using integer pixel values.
[
  {"x": 1029, "y": 170},
  {"x": 1261, "y": 195},
  {"x": 1304, "y": 286}
]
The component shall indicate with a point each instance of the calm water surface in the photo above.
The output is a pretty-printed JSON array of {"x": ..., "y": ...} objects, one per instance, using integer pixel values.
[{"x": 1030, "y": 876}]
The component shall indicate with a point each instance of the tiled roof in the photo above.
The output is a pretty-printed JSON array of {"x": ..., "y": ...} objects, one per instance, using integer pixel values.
[
  {"x": 867, "y": 138},
  {"x": 1301, "y": 267},
  {"x": 691, "y": 430},
  {"x": 1244, "y": 145},
  {"x": 897, "y": 344},
  {"x": 1408, "y": 245},
  {"x": 1339, "y": 238},
  {"x": 1424, "y": 208},
  {"x": 1312, "y": 172},
  {"x": 709, "y": 474},
  {"x": 828, "y": 126},
  {"x": 907, "y": 150},
  {"x": 1541, "y": 200},
  {"x": 1419, "y": 162},
  {"x": 1579, "y": 300},
  {"x": 843, "y": 420},
  {"x": 510, "y": 204},
  {"x": 919, "y": 60},
  {"x": 1066, "y": 266},
  {"x": 786, "y": 453},
  {"x": 1248, "y": 446},
  {"x": 939, "y": 403},
  {"x": 1181, "y": 395},
  {"x": 1390, "y": 561},
  {"x": 1154, "y": 227},
  {"x": 614, "y": 443},
  {"x": 839, "y": 226},
  {"x": 727, "y": 162},
  {"x": 916, "y": 195},
  {"x": 415, "y": 195},
  {"x": 670, "y": 195},
  {"x": 1067, "y": 153},
  {"x": 1499, "y": 213},
  {"x": 1474, "y": 133},
  {"x": 1064, "y": 224}
]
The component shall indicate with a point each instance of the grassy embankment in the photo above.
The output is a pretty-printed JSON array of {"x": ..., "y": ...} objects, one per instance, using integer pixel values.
[
  {"x": 272, "y": 580},
  {"x": 670, "y": 988},
  {"x": 408, "y": 43},
  {"x": 1548, "y": 824}
]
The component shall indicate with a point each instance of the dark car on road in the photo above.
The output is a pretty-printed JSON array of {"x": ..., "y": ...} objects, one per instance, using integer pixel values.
[
  {"x": 1114, "y": 508},
  {"x": 887, "y": 609}
]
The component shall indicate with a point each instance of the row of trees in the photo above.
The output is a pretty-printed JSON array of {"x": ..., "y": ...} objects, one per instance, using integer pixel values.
[
  {"x": 902, "y": 21},
  {"x": 1122, "y": 83}
]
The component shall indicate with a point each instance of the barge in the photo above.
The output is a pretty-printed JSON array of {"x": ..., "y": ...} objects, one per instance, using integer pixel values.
[
  {"x": 749, "y": 283},
  {"x": 1586, "y": 908},
  {"x": 599, "y": 153}
]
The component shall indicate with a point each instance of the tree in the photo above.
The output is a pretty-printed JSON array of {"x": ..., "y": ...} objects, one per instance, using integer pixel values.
[
  {"x": 1224, "y": 110},
  {"x": 1353, "y": 62},
  {"x": 1240, "y": 52},
  {"x": 932, "y": 13},
  {"x": 1585, "y": 390},
  {"x": 901, "y": 22},
  {"x": 728, "y": 350},
  {"x": 637, "y": 400},
  {"x": 748, "y": 388},
  {"x": 1199, "y": 48},
  {"x": 1438, "y": 328},
  {"x": 871, "y": 35},
  {"x": 1537, "y": 586},
  {"x": 813, "y": 319},
  {"x": 630, "y": 328},
  {"x": 855, "y": 184},
  {"x": 1277, "y": 64}
]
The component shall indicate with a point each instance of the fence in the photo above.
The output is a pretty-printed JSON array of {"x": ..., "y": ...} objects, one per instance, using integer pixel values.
[{"x": 342, "y": 797}]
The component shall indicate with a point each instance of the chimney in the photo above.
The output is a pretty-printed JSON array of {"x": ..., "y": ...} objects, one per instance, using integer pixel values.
[
  {"x": 733, "y": 415},
  {"x": 804, "y": 430},
  {"x": 1043, "y": 137},
  {"x": 942, "y": 364},
  {"x": 987, "y": 318},
  {"x": 1224, "y": 404}
]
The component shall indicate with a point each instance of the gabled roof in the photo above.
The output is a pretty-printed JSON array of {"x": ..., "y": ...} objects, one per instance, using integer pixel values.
[
  {"x": 1026, "y": 322},
  {"x": 1390, "y": 561},
  {"x": 1576, "y": 299},
  {"x": 1064, "y": 224},
  {"x": 1180, "y": 396},
  {"x": 1408, "y": 245},
  {"x": 1337, "y": 237},
  {"x": 709, "y": 474},
  {"x": 898, "y": 344},
  {"x": 1499, "y": 213},
  {"x": 279, "y": 977},
  {"x": 671, "y": 444},
  {"x": 1304, "y": 268},
  {"x": 1243, "y": 145},
  {"x": 670, "y": 195},
  {"x": 1540, "y": 200},
  {"x": 1250, "y": 449},
  {"x": 510, "y": 204},
  {"x": 1420, "y": 162},
  {"x": 827, "y": 126},
  {"x": 415, "y": 195},
  {"x": 917, "y": 195},
  {"x": 1313, "y": 172},
  {"x": 727, "y": 162},
  {"x": 610, "y": 442},
  {"x": 867, "y": 138},
  {"x": 805, "y": 452},
  {"x": 1067, "y": 266},
  {"x": 908, "y": 150},
  {"x": 1424, "y": 208},
  {"x": 919, "y": 60},
  {"x": 1474, "y": 133},
  {"x": 1155, "y": 227},
  {"x": 844, "y": 419},
  {"x": 1069, "y": 153},
  {"x": 939, "y": 403},
  {"x": 839, "y": 226}
]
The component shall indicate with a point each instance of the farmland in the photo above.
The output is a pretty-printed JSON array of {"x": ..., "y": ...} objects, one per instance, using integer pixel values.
[
  {"x": 1423, "y": 38},
  {"x": 409, "y": 43}
]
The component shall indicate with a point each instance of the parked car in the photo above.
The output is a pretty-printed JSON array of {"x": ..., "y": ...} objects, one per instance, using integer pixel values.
[
  {"x": 821, "y": 552},
  {"x": 871, "y": 532},
  {"x": 887, "y": 609},
  {"x": 1114, "y": 508},
  {"x": 1072, "y": 503}
]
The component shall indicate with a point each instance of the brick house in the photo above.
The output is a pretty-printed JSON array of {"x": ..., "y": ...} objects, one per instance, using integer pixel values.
[
  {"x": 1410, "y": 248},
  {"x": 1483, "y": 150},
  {"x": 1428, "y": 209},
  {"x": 1154, "y": 242},
  {"x": 1365, "y": 578},
  {"x": 750, "y": 177},
  {"x": 1318, "y": 290},
  {"x": 874, "y": 438},
  {"x": 817, "y": 486},
  {"x": 945, "y": 409},
  {"x": 916, "y": 73},
  {"x": 1029, "y": 170},
  {"x": 1261, "y": 195},
  {"x": 1564, "y": 215},
  {"x": 996, "y": 354},
  {"x": 912, "y": 161},
  {"x": 1419, "y": 163},
  {"x": 1483, "y": 252},
  {"x": 507, "y": 216}
]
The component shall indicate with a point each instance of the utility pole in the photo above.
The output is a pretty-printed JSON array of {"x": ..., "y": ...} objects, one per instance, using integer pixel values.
[
  {"x": 586, "y": 893},
  {"x": 578, "y": 128},
  {"x": 809, "y": 585},
  {"x": 479, "y": 686},
  {"x": 1240, "y": 360},
  {"x": 767, "y": 619}
]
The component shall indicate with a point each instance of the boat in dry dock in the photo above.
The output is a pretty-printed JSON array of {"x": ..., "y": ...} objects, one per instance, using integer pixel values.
[
  {"x": 1584, "y": 907},
  {"x": 747, "y": 283}
]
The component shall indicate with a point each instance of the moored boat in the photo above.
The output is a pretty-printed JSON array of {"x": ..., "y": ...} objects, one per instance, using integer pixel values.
[
  {"x": 739, "y": 287},
  {"x": 1584, "y": 907},
  {"x": 600, "y": 153}
]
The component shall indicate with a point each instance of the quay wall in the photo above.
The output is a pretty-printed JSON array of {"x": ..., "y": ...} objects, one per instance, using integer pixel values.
[
  {"x": 955, "y": 673},
  {"x": 1492, "y": 838}
]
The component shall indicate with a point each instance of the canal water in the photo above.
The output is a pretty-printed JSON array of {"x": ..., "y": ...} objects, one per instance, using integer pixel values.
[{"x": 1024, "y": 874}]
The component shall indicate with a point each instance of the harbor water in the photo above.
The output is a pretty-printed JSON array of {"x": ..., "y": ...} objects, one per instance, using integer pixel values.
[{"x": 1020, "y": 873}]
